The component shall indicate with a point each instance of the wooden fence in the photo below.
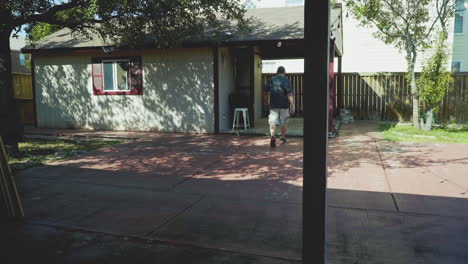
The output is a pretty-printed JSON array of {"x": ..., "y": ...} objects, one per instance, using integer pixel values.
[
  {"x": 386, "y": 96},
  {"x": 23, "y": 93}
]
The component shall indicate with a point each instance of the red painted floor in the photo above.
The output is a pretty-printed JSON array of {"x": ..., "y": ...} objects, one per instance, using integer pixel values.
[{"x": 176, "y": 198}]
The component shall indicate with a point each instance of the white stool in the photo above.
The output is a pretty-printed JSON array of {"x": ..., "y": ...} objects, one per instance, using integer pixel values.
[{"x": 245, "y": 115}]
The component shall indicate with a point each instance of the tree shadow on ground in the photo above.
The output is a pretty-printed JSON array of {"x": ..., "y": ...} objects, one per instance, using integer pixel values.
[{"x": 360, "y": 145}]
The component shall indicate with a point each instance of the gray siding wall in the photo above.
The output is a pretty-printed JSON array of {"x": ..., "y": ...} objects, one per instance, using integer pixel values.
[{"x": 177, "y": 94}]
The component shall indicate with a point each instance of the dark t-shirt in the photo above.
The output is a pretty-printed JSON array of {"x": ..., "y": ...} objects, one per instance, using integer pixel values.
[{"x": 279, "y": 88}]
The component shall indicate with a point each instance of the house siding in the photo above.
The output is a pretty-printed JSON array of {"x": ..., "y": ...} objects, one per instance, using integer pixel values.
[
  {"x": 460, "y": 44},
  {"x": 365, "y": 53},
  {"x": 178, "y": 94}
]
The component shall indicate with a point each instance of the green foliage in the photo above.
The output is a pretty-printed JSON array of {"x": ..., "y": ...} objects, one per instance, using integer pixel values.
[
  {"x": 156, "y": 23},
  {"x": 409, "y": 26},
  {"x": 41, "y": 30},
  {"x": 436, "y": 80},
  {"x": 403, "y": 23},
  {"x": 407, "y": 133},
  {"x": 35, "y": 152}
]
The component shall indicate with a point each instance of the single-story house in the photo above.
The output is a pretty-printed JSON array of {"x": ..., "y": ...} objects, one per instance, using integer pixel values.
[{"x": 84, "y": 83}]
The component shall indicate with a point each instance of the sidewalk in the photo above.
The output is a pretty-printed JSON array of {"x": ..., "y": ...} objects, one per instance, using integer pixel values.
[{"x": 396, "y": 202}]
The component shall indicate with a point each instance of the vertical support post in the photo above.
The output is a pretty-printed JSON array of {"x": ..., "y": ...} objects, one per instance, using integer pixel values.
[
  {"x": 252, "y": 84},
  {"x": 317, "y": 76},
  {"x": 33, "y": 80},
  {"x": 339, "y": 89},
  {"x": 216, "y": 88},
  {"x": 331, "y": 83}
]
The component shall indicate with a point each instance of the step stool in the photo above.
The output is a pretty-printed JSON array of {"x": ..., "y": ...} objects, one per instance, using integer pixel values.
[{"x": 245, "y": 115}]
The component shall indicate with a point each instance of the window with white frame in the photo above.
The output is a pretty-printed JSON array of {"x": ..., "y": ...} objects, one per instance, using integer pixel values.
[
  {"x": 457, "y": 66},
  {"x": 459, "y": 17},
  {"x": 294, "y": 2},
  {"x": 116, "y": 75}
]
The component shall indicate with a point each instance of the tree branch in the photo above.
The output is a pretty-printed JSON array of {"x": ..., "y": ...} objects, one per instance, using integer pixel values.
[
  {"x": 395, "y": 11},
  {"x": 47, "y": 16}
]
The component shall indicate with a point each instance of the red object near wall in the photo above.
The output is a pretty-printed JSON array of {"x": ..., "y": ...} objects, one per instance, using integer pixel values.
[{"x": 331, "y": 95}]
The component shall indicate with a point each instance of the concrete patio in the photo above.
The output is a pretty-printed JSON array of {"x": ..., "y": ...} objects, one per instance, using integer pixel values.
[
  {"x": 175, "y": 198},
  {"x": 393, "y": 202}
]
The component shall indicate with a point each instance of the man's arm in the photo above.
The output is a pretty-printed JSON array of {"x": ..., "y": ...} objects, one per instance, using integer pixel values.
[
  {"x": 292, "y": 107},
  {"x": 266, "y": 90}
]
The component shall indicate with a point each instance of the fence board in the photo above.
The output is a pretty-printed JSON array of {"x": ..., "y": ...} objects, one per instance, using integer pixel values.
[
  {"x": 22, "y": 86},
  {"x": 387, "y": 96}
]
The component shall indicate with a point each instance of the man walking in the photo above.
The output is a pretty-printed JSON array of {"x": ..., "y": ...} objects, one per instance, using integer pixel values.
[{"x": 281, "y": 103}]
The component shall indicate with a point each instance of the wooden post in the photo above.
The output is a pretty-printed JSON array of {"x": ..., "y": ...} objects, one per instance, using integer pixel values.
[
  {"x": 339, "y": 90},
  {"x": 317, "y": 76}
]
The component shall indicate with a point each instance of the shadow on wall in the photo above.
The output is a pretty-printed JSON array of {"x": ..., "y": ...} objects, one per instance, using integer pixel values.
[{"x": 177, "y": 94}]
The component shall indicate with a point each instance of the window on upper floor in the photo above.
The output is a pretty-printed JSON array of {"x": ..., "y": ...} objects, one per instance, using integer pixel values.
[
  {"x": 458, "y": 23},
  {"x": 457, "y": 66},
  {"x": 459, "y": 17},
  {"x": 460, "y": 5},
  {"x": 249, "y": 4},
  {"x": 294, "y": 2},
  {"x": 22, "y": 59}
]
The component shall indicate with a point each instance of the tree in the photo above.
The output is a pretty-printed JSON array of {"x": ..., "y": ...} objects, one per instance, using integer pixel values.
[
  {"x": 41, "y": 30},
  {"x": 409, "y": 25},
  {"x": 120, "y": 22},
  {"x": 435, "y": 81}
]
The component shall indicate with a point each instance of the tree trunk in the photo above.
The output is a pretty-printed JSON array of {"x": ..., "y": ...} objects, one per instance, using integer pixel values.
[
  {"x": 428, "y": 124},
  {"x": 10, "y": 128},
  {"x": 411, "y": 55},
  {"x": 415, "y": 98}
]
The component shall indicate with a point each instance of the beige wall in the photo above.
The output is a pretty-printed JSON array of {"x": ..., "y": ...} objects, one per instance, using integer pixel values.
[{"x": 177, "y": 94}]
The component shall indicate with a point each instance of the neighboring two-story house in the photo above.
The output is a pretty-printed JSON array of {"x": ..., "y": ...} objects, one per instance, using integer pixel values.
[
  {"x": 367, "y": 54},
  {"x": 460, "y": 38}
]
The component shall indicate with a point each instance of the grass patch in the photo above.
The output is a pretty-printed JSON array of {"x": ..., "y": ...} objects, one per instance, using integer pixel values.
[
  {"x": 408, "y": 133},
  {"x": 34, "y": 152}
]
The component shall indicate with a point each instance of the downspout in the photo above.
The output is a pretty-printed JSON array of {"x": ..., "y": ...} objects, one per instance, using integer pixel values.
[{"x": 331, "y": 96}]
